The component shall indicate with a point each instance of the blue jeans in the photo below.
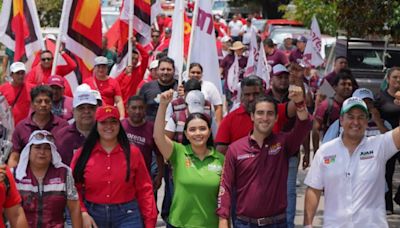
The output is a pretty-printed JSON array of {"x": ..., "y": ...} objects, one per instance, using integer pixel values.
[
  {"x": 291, "y": 191},
  {"x": 242, "y": 224},
  {"x": 168, "y": 192},
  {"x": 124, "y": 215}
]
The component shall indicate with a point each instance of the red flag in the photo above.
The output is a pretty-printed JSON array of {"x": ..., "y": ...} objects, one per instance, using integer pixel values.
[
  {"x": 82, "y": 29},
  {"x": 20, "y": 31}
]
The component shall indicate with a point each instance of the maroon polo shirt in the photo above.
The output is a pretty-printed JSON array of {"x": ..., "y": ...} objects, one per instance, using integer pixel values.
[
  {"x": 332, "y": 116},
  {"x": 296, "y": 56},
  {"x": 277, "y": 57},
  {"x": 142, "y": 137},
  {"x": 69, "y": 139},
  {"x": 228, "y": 61},
  {"x": 330, "y": 77},
  {"x": 259, "y": 175},
  {"x": 24, "y": 129}
]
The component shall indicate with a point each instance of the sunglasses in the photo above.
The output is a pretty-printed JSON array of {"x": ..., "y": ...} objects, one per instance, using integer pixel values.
[
  {"x": 41, "y": 136},
  {"x": 46, "y": 59}
]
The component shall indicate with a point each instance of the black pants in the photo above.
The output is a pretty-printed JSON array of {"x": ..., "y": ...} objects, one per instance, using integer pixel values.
[{"x": 390, "y": 167}]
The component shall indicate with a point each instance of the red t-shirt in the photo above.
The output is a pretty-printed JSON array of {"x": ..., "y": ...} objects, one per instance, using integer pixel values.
[
  {"x": 105, "y": 183},
  {"x": 13, "y": 198},
  {"x": 22, "y": 105},
  {"x": 108, "y": 89},
  {"x": 323, "y": 108}
]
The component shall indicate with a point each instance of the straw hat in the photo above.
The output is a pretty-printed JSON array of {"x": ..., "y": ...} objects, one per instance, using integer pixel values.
[{"x": 237, "y": 45}]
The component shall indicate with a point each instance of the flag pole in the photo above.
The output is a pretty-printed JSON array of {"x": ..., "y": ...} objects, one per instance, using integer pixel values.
[
  {"x": 58, "y": 42},
  {"x": 182, "y": 35},
  {"x": 194, "y": 23},
  {"x": 130, "y": 34}
]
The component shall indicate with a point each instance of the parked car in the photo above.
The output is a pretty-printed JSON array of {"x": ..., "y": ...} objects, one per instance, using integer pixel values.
[
  {"x": 272, "y": 23},
  {"x": 368, "y": 60}
]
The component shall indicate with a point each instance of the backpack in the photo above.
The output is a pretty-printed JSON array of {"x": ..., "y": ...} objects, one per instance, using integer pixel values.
[{"x": 326, "y": 120}]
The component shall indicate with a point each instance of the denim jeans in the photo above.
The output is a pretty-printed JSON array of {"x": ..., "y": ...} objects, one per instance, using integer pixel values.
[
  {"x": 291, "y": 191},
  {"x": 125, "y": 215},
  {"x": 242, "y": 224}
]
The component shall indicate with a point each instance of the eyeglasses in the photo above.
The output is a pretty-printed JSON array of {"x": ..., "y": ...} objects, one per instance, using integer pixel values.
[
  {"x": 46, "y": 59},
  {"x": 41, "y": 136}
]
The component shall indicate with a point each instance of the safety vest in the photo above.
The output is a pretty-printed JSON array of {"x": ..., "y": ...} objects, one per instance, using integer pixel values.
[
  {"x": 179, "y": 116},
  {"x": 44, "y": 205}
]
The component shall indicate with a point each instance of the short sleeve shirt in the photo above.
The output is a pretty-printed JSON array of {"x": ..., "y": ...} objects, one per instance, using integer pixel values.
[
  {"x": 20, "y": 109},
  {"x": 389, "y": 111},
  {"x": 235, "y": 27},
  {"x": 68, "y": 140},
  {"x": 108, "y": 89},
  {"x": 354, "y": 185},
  {"x": 323, "y": 108},
  {"x": 211, "y": 93},
  {"x": 277, "y": 57},
  {"x": 196, "y": 187}
]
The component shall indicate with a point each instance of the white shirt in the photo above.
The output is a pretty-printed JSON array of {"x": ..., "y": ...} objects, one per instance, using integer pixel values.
[
  {"x": 354, "y": 186},
  {"x": 211, "y": 93},
  {"x": 247, "y": 33},
  {"x": 235, "y": 27}
]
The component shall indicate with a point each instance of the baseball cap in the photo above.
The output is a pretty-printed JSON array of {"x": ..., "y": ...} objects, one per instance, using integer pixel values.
[
  {"x": 17, "y": 66},
  {"x": 195, "y": 101},
  {"x": 153, "y": 64},
  {"x": 100, "y": 60},
  {"x": 363, "y": 93},
  {"x": 279, "y": 69},
  {"x": 56, "y": 80},
  {"x": 96, "y": 94},
  {"x": 83, "y": 87},
  {"x": 106, "y": 112},
  {"x": 353, "y": 102},
  {"x": 84, "y": 97},
  {"x": 302, "y": 39}
]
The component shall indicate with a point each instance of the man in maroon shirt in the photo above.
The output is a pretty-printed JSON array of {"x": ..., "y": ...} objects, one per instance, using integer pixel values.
[
  {"x": 340, "y": 63},
  {"x": 61, "y": 105},
  {"x": 140, "y": 133},
  {"x": 329, "y": 109},
  {"x": 296, "y": 55},
  {"x": 257, "y": 166},
  {"x": 40, "y": 119},
  {"x": 71, "y": 137},
  {"x": 274, "y": 55}
]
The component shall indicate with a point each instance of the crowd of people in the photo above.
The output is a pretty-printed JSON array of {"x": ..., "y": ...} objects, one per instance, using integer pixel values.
[{"x": 96, "y": 155}]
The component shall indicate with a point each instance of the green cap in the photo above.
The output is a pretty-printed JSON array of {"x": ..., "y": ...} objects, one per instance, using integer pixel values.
[{"x": 353, "y": 102}]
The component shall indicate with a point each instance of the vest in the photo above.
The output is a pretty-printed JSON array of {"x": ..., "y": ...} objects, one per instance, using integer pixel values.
[
  {"x": 179, "y": 116},
  {"x": 44, "y": 207}
]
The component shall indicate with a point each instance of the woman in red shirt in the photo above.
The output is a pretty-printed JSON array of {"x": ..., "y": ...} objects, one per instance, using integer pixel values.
[{"x": 111, "y": 177}]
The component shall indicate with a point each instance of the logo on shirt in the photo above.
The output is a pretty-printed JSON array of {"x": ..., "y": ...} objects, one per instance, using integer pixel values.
[
  {"x": 188, "y": 163},
  {"x": 329, "y": 159},
  {"x": 245, "y": 156},
  {"x": 366, "y": 155},
  {"x": 214, "y": 168},
  {"x": 56, "y": 180},
  {"x": 274, "y": 149}
]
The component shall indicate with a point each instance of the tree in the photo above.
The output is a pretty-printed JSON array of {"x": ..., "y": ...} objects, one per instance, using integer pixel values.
[
  {"x": 269, "y": 8},
  {"x": 49, "y": 12}
]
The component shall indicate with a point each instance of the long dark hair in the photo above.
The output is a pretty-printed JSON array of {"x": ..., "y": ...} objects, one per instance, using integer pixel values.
[
  {"x": 192, "y": 116},
  {"x": 87, "y": 149}
]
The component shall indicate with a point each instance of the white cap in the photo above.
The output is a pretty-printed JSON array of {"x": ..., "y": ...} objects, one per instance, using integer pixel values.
[
  {"x": 83, "y": 87},
  {"x": 153, "y": 64},
  {"x": 100, "y": 60},
  {"x": 226, "y": 39},
  {"x": 287, "y": 36},
  {"x": 278, "y": 69},
  {"x": 17, "y": 66},
  {"x": 96, "y": 94},
  {"x": 84, "y": 97},
  {"x": 195, "y": 101},
  {"x": 363, "y": 93}
]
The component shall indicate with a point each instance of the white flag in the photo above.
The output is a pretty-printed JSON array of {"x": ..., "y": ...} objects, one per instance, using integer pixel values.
[
  {"x": 155, "y": 10},
  {"x": 252, "y": 61},
  {"x": 176, "y": 45},
  {"x": 233, "y": 76},
  {"x": 315, "y": 34},
  {"x": 312, "y": 52},
  {"x": 263, "y": 68},
  {"x": 203, "y": 45}
]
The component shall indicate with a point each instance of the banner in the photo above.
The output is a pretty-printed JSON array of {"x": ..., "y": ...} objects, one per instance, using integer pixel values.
[
  {"x": 312, "y": 53},
  {"x": 203, "y": 44},
  {"x": 20, "y": 28},
  {"x": 176, "y": 44},
  {"x": 82, "y": 29}
]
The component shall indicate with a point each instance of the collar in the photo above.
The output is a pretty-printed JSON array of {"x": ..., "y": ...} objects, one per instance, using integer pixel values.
[
  {"x": 360, "y": 144},
  {"x": 53, "y": 121},
  {"x": 99, "y": 149},
  {"x": 190, "y": 153},
  {"x": 253, "y": 143}
]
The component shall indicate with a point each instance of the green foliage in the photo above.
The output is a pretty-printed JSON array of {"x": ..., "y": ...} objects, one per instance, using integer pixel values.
[
  {"x": 49, "y": 12},
  {"x": 325, "y": 11}
]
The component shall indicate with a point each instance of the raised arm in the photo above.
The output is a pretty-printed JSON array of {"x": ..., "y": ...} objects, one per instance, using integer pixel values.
[{"x": 164, "y": 144}]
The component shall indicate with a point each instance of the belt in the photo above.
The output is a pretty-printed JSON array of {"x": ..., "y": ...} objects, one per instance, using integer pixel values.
[{"x": 264, "y": 221}]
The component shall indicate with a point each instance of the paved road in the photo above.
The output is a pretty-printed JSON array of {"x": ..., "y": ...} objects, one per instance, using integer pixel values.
[{"x": 394, "y": 220}]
